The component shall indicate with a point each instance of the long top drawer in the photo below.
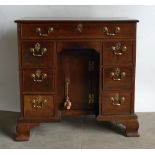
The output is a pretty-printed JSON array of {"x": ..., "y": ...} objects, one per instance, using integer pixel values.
[{"x": 60, "y": 30}]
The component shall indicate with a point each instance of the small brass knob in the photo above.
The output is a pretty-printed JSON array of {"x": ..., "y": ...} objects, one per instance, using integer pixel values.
[
  {"x": 117, "y": 30},
  {"x": 50, "y": 30}
]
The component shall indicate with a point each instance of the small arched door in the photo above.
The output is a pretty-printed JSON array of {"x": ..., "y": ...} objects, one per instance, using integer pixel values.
[{"x": 78, "y": 76}]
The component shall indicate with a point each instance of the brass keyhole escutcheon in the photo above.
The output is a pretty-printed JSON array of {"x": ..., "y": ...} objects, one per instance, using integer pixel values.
[{"x": 80, "y": 27}]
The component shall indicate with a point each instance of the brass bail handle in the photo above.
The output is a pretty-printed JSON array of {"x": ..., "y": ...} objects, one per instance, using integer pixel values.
[
  {"x": 39, "y": 31},
  {"x": 38, "y": 102},
  {"x": 118, "y": 49},
  {"x": 38, "y": 76},
  {"x": 117, "y": 100},
  {"x": 67, "y": 103},
  {"x": 117, "y": 75},
  {"x": 37, "y": 51},
  {"x": 116, "y": 31}
]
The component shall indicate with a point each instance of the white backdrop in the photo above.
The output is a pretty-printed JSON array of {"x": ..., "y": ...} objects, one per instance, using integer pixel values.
[{"x": 145, "y": 74}]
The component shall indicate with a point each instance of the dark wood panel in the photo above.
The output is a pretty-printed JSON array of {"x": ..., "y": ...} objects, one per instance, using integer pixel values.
[
  {"x": 75, "y": 67},
  {"x": 73, "y": 60},
  {"x": 79, "y": 45}
]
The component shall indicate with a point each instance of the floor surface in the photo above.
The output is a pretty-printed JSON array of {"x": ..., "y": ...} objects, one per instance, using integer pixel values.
[{"x": 77, "y": 132}]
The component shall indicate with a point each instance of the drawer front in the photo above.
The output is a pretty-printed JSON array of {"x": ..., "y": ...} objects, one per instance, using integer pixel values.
[
  {"x": 43, "y": 31},
  {"x": 38, "y": 106},
  {"x": 117, "y": 52},
  {"x": 119, "y": 30},
  {"x": 36, "y": 53},
  {"x": 117, "y": 78},
  {"x": 96, "y": 30},
  {"x": 116, "y": 103},
  {"x": 78, "y": 30},
  {"x": 38, "y": 80}
]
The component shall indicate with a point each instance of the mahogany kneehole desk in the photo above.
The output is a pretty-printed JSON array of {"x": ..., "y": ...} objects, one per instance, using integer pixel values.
[{"x": 76, "y": 67}]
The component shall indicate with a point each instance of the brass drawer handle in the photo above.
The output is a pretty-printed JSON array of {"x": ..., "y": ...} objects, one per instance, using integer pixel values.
[
  {"x": 117, "y": 100},
  {"x": 116, "y": 31},
  {"x": 38, "y": 102},
  {"x": 37, "y": 51},
  {"x": 38, "y": 76},
  {"x": 80, "y": 27},
  {"x": 118, "y": 49},
  {"x": 39, "y": 31},
  {"x": 117, "y": 75}
]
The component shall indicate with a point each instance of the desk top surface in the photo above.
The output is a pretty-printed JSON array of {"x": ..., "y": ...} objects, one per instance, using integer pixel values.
[{"x": 66, "y": 19}]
